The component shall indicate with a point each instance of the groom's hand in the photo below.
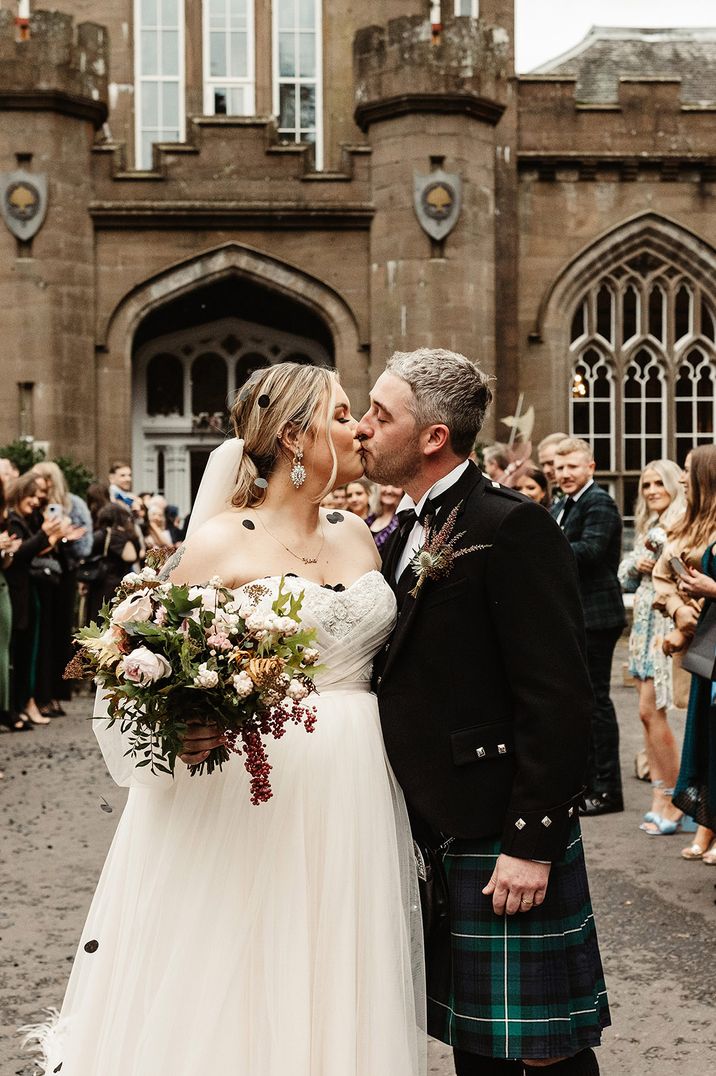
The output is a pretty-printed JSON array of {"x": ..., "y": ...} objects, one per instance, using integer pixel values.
[
  {"x": 517, "y": 885},
  {"x": 199, "y": 740}
]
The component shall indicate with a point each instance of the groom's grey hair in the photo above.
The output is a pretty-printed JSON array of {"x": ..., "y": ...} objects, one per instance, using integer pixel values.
[{"x": 448, "y": 389}]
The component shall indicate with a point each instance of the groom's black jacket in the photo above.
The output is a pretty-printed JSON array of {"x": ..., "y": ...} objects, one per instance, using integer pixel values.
[{"x": 484, "y": 695}]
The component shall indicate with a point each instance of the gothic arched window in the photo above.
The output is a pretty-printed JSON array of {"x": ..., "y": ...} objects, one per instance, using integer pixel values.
[
  {"x": 643, "y": 370},
  {"x": 165, "y": 385},
  {"x": 209, "y": 384}
]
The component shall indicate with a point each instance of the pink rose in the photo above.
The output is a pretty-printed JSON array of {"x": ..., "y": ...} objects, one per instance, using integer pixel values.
[
  {"x": 144, "y": 667},
  {"x": 135, "y": 609}
]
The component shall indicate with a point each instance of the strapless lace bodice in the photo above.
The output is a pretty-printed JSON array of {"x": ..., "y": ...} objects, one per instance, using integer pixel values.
[{"x": 351, "y": 624}]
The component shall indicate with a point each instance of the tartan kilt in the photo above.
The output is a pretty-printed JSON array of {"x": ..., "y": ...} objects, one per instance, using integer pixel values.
[{"x": 529, "y": 985}]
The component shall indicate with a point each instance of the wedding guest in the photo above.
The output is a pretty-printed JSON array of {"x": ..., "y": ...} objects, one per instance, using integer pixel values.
[
  {"x": 157, "y": 534},
  {"x": 97, "y": 498},
  {"x": 8, "y": 470},
  {"x": 546, "y": 450},
  {"x": 534, "y": 484},
  {"x": 175, "y": 525},
  {"x": 358, "y": 495},
  {"x": 691, "y": 542},
  {"x": 115, "y": 538},
  {"x": 340, "y": 499},
  {"x": 592, "y": 525},
  {"x": 660, "y": 506},
  {"x": 23, "y": 505},
  {"x": 384, "y": 520},
  {"x": 8, "y": 547},
  {"x": 57, "y": 618},
  {"x": 120, "y": 485},
  {"x": 496, "y": 461}
]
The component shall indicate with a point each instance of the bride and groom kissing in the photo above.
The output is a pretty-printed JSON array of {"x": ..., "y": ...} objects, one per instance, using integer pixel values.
[{"x": 453, "y": 699}]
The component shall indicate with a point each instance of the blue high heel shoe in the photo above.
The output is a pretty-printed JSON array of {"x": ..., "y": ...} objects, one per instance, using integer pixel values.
[
  {"x": 664, "y": 826},
  {"x": 652, "y": 816}
]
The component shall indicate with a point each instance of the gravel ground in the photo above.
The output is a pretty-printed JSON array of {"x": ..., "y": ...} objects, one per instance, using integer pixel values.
[{"x": 655, "y": 913}]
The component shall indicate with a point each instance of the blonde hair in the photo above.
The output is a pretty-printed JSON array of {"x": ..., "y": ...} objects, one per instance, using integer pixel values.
[
  {"x": 574, "y": 444},
  {"x": 670, "y": 474},
  {"x": 273, "y": 398},
  {"x": 698, "y": 524},
  {"x": 57, "y": 491}
]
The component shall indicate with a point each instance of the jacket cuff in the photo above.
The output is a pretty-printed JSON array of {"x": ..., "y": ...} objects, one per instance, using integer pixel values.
[{"x": 541, "y": 834}]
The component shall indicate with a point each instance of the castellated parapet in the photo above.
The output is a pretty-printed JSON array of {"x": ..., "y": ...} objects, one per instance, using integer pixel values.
[
  {"x": 401, "y": 67},
  {"x": 60, "y": 66}
]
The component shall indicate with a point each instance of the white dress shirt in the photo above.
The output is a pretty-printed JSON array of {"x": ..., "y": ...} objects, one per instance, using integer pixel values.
[
  {"x": 575, "y": 497},
  {"x": 417, "y": 535}
]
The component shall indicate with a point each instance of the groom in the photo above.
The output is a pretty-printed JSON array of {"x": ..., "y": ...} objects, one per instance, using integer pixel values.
[{"x": 485, "y": 704}]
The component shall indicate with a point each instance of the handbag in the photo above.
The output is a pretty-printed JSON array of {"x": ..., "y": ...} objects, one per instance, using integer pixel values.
[
  {"x": 94, "y": 569},
  {"x": 435, "y": 909},
  {"x": 700, "y": 658},
  {"x": 46, "y": 570}
]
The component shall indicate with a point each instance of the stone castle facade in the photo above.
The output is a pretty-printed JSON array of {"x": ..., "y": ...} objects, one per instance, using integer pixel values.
[{"x": 231, "y": 183}]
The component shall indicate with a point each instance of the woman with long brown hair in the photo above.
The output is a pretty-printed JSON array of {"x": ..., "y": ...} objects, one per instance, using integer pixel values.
[{"x": 692, "y": 542}]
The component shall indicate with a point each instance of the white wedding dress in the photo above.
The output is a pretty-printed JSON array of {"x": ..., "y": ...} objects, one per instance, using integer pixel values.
[{"x": 227, "y": 939}]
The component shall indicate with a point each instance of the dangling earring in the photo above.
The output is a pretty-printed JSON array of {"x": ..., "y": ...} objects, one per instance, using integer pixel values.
[{"x": 298, "y": 471}]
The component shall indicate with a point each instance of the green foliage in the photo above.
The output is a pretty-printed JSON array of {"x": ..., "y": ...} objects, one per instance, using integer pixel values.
[
  {"x": 23, "y": 454},
  {"x": 77, "y": 476}
]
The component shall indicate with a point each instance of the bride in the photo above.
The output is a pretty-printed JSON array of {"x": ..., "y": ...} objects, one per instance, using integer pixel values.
[{"x": 281, "y": 939}]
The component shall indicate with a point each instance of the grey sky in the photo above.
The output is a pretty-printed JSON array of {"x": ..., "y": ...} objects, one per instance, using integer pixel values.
[{"x": 545, "y": 28}]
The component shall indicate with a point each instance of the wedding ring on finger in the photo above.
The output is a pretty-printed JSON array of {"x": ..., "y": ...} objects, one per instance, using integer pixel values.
[{"x": 527, "y": 903}]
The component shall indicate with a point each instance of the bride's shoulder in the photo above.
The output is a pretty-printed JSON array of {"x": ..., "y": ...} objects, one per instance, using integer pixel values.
[
  {"x": 340, "y": 526},
  {"x": 211, "y": 549}
]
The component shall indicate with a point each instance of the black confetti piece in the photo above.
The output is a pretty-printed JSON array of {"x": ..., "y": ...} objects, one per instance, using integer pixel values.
[
  {"x": 250, "y": 526},
  {"x": 106, "y": 807},
  {"x": 58, "y": 1067},
  {"x": 92, "y": 946},
  {"x": 335, "y": 517},
  {"x": 264, "y": 400},
  {"x": 261, "y": 483}
]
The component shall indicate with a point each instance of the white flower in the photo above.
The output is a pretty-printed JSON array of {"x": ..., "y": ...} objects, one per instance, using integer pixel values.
[
  {"x": 161, "y": 616},
  {"x": 296, "y": 690},
  {"x": 148, "y": 574},
  {"x": 132, "y": 579},
  {"x": 144, "y": 667},
  {"x": 243, "y": 685},
  {"x": 225, "y": 622},
  {"x": 208, "y": 595},
  {"x": 135, "y": 609},
  {"x": 206, "y": 677},
  {"x": 216, "y": 581},
  {"x": 310, "y": 656}
]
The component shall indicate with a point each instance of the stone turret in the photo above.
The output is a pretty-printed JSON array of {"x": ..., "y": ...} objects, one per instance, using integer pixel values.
[
  {"x": 53, "y": 97},
  {"x": 430, "y": 105}
]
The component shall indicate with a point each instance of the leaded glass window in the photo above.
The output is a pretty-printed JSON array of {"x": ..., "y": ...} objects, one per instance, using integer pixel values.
[
  {"x": 229, "y": 81},
  {"x": 159, "y": 75},
  {"x": 297, "y": 72},
  {"x": 643, "y": 370}
]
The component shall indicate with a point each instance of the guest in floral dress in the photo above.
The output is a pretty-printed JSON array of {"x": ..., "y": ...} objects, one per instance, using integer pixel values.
[{"x": 661, "y": 504}]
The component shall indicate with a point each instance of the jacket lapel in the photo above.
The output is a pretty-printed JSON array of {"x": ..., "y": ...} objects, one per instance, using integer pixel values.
[{"x": 408, "y": 610}]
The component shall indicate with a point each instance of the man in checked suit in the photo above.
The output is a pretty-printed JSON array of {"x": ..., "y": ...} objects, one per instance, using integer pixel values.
[
  {"x": 592, "y": 525},
  {"x": 485, "y": 705}
]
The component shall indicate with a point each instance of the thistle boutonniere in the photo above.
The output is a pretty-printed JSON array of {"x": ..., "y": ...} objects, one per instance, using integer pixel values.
[{"x": 437, "y": 556}]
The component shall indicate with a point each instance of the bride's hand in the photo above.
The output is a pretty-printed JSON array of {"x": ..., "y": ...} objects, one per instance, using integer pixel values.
[{"x": 199, "y": 741}]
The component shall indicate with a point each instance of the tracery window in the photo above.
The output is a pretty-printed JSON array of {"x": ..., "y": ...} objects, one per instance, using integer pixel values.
[
  {"x": 229, "y": 78},
  {"x": 297, "y": 67},
  {"x": 159, "y": 75},
  {"x": 643, "y": 371}
]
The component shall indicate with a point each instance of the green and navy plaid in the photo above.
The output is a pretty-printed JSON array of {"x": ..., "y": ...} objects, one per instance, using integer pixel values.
[{"x": 524, "y": 986}]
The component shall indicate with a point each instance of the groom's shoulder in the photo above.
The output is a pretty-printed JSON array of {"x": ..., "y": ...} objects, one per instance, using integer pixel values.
[{"x": 492, "y": 497}]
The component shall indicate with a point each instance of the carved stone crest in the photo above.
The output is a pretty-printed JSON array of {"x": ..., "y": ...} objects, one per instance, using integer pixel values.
[
  {"x": 23, "y": 202},
  {"x": 437, "y": 199}
]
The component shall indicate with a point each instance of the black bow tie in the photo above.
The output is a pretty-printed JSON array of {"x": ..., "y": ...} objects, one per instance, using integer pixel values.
[{"x": 410, "y": 516}]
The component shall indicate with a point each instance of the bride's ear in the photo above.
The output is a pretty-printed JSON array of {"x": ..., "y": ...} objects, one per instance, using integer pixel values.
[{"x": 288, "y": 440}]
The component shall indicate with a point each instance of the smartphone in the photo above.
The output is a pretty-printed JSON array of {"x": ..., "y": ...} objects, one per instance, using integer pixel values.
[
  {"x": 679, "y": 568},
  {"x": 54, "y": 511}
]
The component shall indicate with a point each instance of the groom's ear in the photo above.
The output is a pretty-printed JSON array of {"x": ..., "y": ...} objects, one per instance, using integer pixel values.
[{"x": 435, "y": 438}]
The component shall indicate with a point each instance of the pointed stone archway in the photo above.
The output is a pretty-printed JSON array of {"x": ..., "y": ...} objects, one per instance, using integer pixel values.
[{"x": 231, "y": 260}]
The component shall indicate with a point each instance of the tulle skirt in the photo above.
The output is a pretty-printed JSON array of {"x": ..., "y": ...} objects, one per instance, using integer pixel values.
[{"x": 273, "y": 940}]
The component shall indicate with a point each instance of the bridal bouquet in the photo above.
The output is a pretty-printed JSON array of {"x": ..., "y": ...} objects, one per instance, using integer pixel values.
[{"x": 167, "y": 655}]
